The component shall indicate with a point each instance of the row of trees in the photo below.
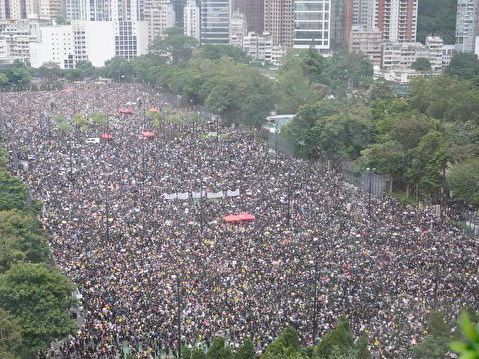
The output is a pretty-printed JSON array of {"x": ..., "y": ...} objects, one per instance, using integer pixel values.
[
  {"x": 443, "y": 337},
  {"x": 428, "y": 142},
  {"x": 338, "y": 343},
  {"x": 35, "y": 298},
  {"x": 441, "y": 340}
]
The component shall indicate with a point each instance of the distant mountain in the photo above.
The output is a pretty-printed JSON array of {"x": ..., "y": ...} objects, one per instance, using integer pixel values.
[{"x": 437, "y": 17}]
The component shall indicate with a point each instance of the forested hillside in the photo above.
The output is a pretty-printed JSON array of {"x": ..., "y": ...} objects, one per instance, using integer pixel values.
[{"x": 437, "y": 17}]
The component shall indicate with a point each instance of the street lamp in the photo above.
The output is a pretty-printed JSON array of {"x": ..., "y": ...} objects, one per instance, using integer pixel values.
[
  {"x": 369, "y": 188},
  {"x": 315, "y": 301},
  {"x": 178, "y": 303}
]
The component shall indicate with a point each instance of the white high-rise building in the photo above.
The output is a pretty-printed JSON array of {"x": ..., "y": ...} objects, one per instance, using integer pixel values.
[
  {"x": 448, "y": 52},
  {"x": 160, "y": 16},
  {"x": 191, "y": 20},
  {"x": 435, "y": 44},
  {"x": 257, "y": 46},
  {"x": 312, "y": 24},
  {"x": 19, "y": 9},
  {"x": 238, "y": 29},
  {"x": 363, "y": 14},
  {"x": 215, "y": 22},
  {"x": 56, "y": 45},
  {"x": 131, "y": 31},
  {"x": 66, "y": 45},
  {"x": 51, "y": 9},
  {"x": 466, "y": 25},
  {"x": 16, "y": 38}
]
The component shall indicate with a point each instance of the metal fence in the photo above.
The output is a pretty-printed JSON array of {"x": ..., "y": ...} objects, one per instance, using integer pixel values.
[
  {"x": 367, "y": 181},
  {"x": 279, "y": 143}
]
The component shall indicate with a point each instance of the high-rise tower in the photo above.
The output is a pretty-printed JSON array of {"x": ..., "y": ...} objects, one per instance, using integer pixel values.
[{"x": 279, "y": 21}]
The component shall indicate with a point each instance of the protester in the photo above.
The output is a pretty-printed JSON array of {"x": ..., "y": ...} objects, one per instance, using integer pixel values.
[{"x": 386, "y": 268}]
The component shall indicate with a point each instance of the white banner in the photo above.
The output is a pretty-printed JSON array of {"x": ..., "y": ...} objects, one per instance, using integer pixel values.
[
  {"x": 233, "y": 193},
  {"x": 219, "y": 194},
  {"x": 196, "y": 195},
  {"x": 169, "y": 196},
  {"x": 184, "y": 195}
]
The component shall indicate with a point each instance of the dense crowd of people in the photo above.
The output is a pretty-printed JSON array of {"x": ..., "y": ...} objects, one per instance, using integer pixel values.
[{"x": 316, "y": 250}]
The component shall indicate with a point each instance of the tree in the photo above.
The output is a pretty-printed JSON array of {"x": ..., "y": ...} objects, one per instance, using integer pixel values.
[
  {"x": 118, "y": 68},
  {"x": 464, "y": 66},
  {"x": 62, "y": 123},
  {"x": 246, "y": 351},
  {"x": 13, "y": 193},
  {"x": 175, "y": 44},
  {"x": 285, "y": 346},
  {"x": 10, "y": 336},
  {"x": 81, "y": 121},
  {"x": 21, "y": 239},
  {"x": 216, "y": 52},
  {"x": 19, "y": 76},
  {"x": 219, "y": 350},
  {"x": 380, "y": 89},
  {"x": 421, "y": 64},
  {"x": 198, "y": 354},
  {"x": 86, "y": 69},
  {"x": 387, "y": 158},
  {"x": 99, "y": 119},
  {"x": 295, "y": 90},
  {"x": 468, "y": 347},
  {"x": 50, "y": 71},
  {"x": 3, "y": 158},
  {"x": 429, "y": 163},
  {"x": 3, "y": 79},
  {"x": 436, "y": 344},
  {"x": 463, "y": 180},
  {"x": 339, "y": 340},
  {"x": 346, "y": 71},
  {"x": 39, "y": 299}
]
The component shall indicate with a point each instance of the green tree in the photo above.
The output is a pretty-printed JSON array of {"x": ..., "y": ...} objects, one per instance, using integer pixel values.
[
  {"x": 387, "y": 158},
  {"x": 198, "y": 354},
  {"x": 295, "y": 90},
  {"x": 119, "y": 69},
  {"x": 3, "y": 158},
  {"x": 421, "y": 64},
  {"x": 463, "y": 180},
  {"x": 339, "y": 340},
  {"x": 19, "y": 76},
  {"x": 81, "y": 121},
  {"x": 3, "y": 79},
  {"x": 49, "y": 71},
  {"x": 436, "y": 344},
  {"x": 86, "y": 69},
  {"x": 21, "y": 239},
  {"x": 219, "y": 350},
  {"x": 346, "y": 71},
  {"x": 429, "y": 163},
  {"x": 10, "y": 336},
  {"x": 285, "y": 346},
  {"x": 468, "y": 347},
  {"x": 246, "y": 351},
  {"x": 99, "y": 119},
  {"x": 13, "y": 193},
  {"x": 464, "y": 66},
  {"x": 216, "y": 52},
  {"x": 346, "y": 134},
  {"x": 174, "y": 43},
  {"x": 362, "y": 349},
  {"x": 39, "y": 299}
]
